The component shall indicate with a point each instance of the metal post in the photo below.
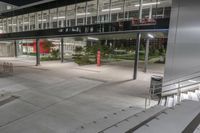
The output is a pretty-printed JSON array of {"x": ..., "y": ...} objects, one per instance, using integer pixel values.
[
  {"x": 124, "y": 10},
  {"x": 179, "y": 93},
  {"x": 110, "y": 7},
  {"x": 140, "y": 10},
  {"x": 15, "y": 46},
  {"x": 137, "y": 56},
  {"x": 37, "y": 52},
  {"x": 150, "y": 12},
  {"x": 98, "y": 19},
  {"x": 146, "y": 55},
  {"x": 76, "y": 14},
  {"x": 62, "y": 50},
  {"x": 86, "y": 11}
]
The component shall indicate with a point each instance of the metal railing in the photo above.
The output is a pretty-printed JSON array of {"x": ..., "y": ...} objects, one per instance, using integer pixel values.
[{"x": 181, "y": 85}]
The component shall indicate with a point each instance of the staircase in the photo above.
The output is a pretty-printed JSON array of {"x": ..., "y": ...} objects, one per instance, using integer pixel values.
[{"x": 172, "y": 100}]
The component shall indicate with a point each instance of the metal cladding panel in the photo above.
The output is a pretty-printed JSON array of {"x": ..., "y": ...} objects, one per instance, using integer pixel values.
[{"x": 183, "y": 53}]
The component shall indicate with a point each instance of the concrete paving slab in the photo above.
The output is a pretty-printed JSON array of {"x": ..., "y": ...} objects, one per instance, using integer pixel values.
[
  {"x": 15, "y": 110},
  {"x": 36, "y": 98},
  {"x": 70, "y": 88}
]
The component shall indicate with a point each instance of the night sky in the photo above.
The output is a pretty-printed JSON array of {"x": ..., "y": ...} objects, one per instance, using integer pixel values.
[{"x": 20, "y": 2}]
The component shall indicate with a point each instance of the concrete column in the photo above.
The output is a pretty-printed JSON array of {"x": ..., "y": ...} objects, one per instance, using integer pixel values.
[
  {"x": 150, "y": 12},
  {"x": 137, "y": 56},
  {"x": 110, "y": 7},
  {"x": 140, "y": 9},
  {"x": 146, "y": 55},
  {"x": 15, "y": 47},
  {"x": 37, "y": 52},
  {"x": 62, "y": 50}
]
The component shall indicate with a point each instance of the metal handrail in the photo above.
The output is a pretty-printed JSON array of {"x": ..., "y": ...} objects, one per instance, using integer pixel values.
[{"x": 176, "y": 88}]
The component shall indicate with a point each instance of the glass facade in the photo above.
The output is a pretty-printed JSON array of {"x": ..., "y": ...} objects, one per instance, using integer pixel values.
[{"x": 86, "y": 13}]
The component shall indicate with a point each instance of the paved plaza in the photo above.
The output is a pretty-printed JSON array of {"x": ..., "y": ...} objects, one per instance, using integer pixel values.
[{"x": 57, "y": 98}]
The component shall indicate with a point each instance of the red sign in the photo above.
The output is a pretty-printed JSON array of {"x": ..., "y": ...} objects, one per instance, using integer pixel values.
[{"x": 98, "y": 58}]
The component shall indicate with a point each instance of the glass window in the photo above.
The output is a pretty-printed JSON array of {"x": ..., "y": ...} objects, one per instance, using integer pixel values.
[
  {"x": 62, "y": 16},
  {"x": 1, "y": 25},
  {"x": 81, "y": 15},
  {"x": 104, "y": 10},
  {"x": 26, "y": 22},
  {"x": 154, "y": 7},
  {"x": 9, "y": 25},
  {"x": 45, "y": 19},
  {"x": 32, "y": 21},
  {"x": 54, "y": 18},
  {"x": 117, "y": 10},
  {"x": 39, "y": 22},
  {"x": 131, "y": 9},
  {"x": 5, "y": 25},
  {"x": 20, "y": 23},
  {"x": 71, "y": 15},
  {"x": 14, "y": 24},
  {"x": 92, "y": 12}
]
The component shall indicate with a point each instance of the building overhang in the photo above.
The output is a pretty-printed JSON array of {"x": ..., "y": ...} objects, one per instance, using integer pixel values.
[
  {"x": 38, "y": 6},
  {"x": 162, "y": 25}
]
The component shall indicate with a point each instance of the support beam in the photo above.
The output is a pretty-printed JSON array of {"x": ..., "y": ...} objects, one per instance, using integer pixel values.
[
  {"x": 140, "y": 10},
  {"x": 137, "y": 50},
  {"x": 146, "y": 55},
  {"x": 15, "y": 47},
  {"x": 37, "y": 52},
  {"x": 62, "y": 50}
]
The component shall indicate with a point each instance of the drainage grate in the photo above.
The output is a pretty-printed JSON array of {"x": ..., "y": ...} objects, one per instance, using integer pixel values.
[{"x": 8, "y": 100}]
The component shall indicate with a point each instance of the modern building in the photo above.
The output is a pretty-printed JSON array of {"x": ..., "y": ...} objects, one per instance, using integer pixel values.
[
  {"x": 84, "y": 18},
  {"x": 38, "y": 27}
]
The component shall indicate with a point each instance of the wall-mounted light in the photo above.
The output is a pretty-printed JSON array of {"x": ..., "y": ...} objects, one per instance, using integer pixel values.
[
  {"x": 60, "y": 17},
  {"x": 12, "y": 24},
  {"x": 53, "y": 40},
  {"x": 82, "y": 14},
  {"x": 92, "y": 38},
  {"x": 26, "y": 22},
  {"x": 150, "y": 36},
  {"x": 42, "y": 20},
  {"x": 112, "y": 9},
  {"x": 192, "y": 81},
  {"x": 5, "y": 42},
  {"x": 148, "y": 4}
]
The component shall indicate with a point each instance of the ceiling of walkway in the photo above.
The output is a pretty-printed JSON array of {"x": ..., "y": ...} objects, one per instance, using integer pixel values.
[{"x": 21, "y": 2}]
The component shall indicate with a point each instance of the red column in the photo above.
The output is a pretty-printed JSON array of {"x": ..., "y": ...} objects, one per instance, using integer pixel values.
[{"x": 98, "y": 58}]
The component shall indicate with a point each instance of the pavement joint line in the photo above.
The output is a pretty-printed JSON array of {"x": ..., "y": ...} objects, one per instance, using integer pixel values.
[
  {"x": 42, "y": 109},
  {"x": 7, "y": 100},
  {"x": 85, "y": 69},
  {"x": 94, "y": 79}
]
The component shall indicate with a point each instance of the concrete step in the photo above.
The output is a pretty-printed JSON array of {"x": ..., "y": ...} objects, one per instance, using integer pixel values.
[{"x": 121, "y": 122}]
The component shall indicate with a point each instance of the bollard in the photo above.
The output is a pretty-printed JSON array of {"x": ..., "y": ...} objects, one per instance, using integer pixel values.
[
  {"x": 145, "y": 104},
  {"x": 11, "y": 68},
  {"x": 4, "y": 67}
]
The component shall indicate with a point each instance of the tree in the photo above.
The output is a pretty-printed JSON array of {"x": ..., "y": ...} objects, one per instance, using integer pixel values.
[{"x": 47, "y": 45}]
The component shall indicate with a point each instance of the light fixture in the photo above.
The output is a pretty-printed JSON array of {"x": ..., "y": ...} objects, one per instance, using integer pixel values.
[
  {"x": 26, "y": 22},
  {"x": 150, "y": 35},
  {"x": 192, "y": 81},
  {"x": 42, "y": 20},
  {"x": 5, "y": 42},
  {"x": 60, "y": 17},
  {"x": 12, "y": 24},
  {"x": 53, "y": 40},
  {"x": 92, "y": 38},
  {"x": 112, "y": 9},
  {"x": 81, "y": 14},
  {"x": 148, "y": 4}
]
